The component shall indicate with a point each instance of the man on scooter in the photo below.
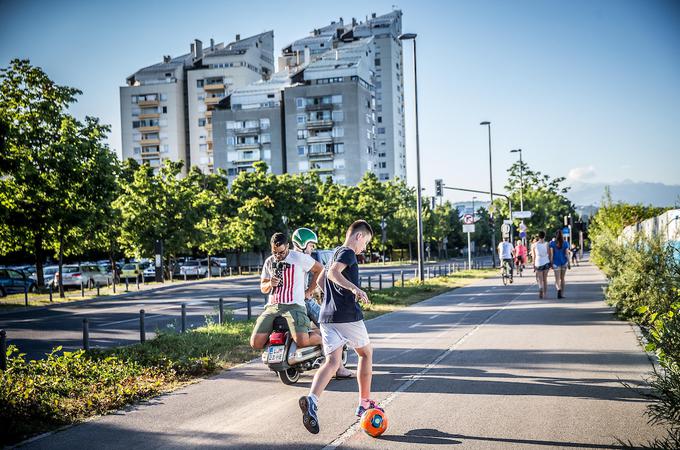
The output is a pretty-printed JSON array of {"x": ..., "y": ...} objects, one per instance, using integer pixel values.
[
  {"x": 305, "y": 241},
  {"x": 284, "y": 277}
]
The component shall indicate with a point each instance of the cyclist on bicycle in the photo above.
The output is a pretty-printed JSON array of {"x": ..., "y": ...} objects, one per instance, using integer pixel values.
[
  {"x": 520, "y": 254},
  {"x": 505, "y": 254}
]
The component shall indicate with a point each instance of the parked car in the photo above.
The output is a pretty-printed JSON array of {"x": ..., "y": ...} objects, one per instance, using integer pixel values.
[
  {"x": 48, "y": 275},
  {"x": 89, "y": 275},
  {"x": 150, "y": 272},
  {"x": 197, "y": 269},
  {"x": 12, "y": 281},
  {"x": 133, "y": 269}
]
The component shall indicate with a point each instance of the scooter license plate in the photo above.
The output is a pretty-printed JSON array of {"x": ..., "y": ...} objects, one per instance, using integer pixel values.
[{"x": 276, "y": 354}]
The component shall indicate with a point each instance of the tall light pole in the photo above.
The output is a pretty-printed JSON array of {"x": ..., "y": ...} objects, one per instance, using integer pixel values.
[
  {"x": 419, "y": 200},
  {"x": 521, "y": 179},
  {"x": 493, "y": 230}
]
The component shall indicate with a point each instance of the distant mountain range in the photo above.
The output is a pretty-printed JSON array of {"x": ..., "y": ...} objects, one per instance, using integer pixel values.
[{"x": 656, "y": 194}]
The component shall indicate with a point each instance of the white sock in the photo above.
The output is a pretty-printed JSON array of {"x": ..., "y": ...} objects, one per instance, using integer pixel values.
[{"x": 314, "y": 398}]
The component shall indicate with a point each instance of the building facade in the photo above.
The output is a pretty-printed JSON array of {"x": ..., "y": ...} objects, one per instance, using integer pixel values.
[{"x": 166, "y": 108}]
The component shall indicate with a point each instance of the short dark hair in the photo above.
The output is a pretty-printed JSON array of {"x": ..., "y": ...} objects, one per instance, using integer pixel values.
[
  {"x": 278, "y": 239},
  {"x": 541, "y": 234},
  {"x": 359, "y": 226}
]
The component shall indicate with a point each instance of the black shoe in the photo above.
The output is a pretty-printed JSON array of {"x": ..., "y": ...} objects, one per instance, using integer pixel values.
[
  {"x": 309, "y": 418},
  {"x": 559, "y": 293}
]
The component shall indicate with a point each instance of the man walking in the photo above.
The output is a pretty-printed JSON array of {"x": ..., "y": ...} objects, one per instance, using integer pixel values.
[{"x": 342, "y": 323}]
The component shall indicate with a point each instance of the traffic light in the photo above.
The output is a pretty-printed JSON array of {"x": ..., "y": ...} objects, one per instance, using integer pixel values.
[{"x": 438, "y": 188}]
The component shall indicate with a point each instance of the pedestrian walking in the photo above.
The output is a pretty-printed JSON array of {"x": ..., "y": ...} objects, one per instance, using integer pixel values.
[
  {"x": 574, "y": 254},
  {"x": 541, "y": 261},
  {"x": 559, "y": 259}
]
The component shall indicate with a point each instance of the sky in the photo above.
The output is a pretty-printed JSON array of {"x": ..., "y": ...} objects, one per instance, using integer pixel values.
[{"x": 589, "y": 90}]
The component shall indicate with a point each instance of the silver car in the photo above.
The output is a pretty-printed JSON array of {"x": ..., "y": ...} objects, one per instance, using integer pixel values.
[{"x": 89, "y": 275}]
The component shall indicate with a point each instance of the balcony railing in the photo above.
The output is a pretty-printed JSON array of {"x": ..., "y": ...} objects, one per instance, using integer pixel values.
[
  {"x": 150, "y": 142},
  {"x": 320, "y": 155},
  {"x": 143, "y": 103},
  {"x": 319, "y": 107},
  {"x": 319, "y": 139},
  {"x": 214, "y": 87},
  {"x": 319, "y": 123},
  {"x": 150, "y": 129},
  {"x": 212, "y": 100},
  {"x": 149, "y": 116},
  {"x": 248, "y": 145},
  {"x": 249, "y": 130}
]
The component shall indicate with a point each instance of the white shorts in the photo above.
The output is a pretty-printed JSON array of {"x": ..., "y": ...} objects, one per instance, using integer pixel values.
[{"x": 335, "y": 335}]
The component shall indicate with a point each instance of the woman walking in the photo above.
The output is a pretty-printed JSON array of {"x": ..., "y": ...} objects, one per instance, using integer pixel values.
[
  {"x": 541, "y": 261},
  {"x": 559, "y": 259}
]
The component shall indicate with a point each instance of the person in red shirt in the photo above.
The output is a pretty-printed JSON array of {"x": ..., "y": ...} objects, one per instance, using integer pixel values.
[{"x": 520, "y": 253}]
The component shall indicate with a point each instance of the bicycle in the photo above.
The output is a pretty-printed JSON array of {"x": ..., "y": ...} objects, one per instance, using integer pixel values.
[
  {"x": 505, "y": 273},
  {"x": 520, "y": 267}
]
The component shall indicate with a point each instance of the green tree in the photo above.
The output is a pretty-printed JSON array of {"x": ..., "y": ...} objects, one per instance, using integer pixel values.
[
  {"x": 336, "y": 210},
  {"x": 46, "y": 165}
]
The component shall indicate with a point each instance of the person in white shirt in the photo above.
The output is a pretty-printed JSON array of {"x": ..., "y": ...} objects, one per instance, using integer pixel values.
[
  {"x": 541, "y": 260},
  {"x": 506, "y": 254},
  {"x": 284, "y": 278}
]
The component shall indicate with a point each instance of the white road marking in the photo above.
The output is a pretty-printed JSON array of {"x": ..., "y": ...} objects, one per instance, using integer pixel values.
[
  {"x": 435, "y": 316},
  {"x": 415, "y": 325}
]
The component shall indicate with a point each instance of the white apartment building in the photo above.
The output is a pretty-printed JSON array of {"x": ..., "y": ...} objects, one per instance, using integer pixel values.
[{"x": 166, "y": 108}]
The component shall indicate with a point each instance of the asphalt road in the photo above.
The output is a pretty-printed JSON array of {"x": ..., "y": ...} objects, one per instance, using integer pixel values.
[
  {"x": 114, "y": 321},
  {"x": 485, "y": 366}
]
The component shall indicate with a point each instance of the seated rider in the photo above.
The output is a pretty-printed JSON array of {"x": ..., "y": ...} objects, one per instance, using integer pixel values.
[
  {"x": 505, "y": 253},
  {"x": 305, "y": 241},
  {"x": 520, "y": 253},
  {"x": 284, "y": 278}
]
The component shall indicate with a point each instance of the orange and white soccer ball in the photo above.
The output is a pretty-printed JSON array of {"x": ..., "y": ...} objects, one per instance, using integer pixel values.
[{"x": 374, "y": 422}]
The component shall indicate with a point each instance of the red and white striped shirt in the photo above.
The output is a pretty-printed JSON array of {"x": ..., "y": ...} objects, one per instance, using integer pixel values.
[{"x": 293, "y": 278}]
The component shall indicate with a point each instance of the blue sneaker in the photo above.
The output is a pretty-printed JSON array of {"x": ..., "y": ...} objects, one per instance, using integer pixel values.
[
  {"x": 309, "y": 418},
  {"x": 372, "y": 405}
]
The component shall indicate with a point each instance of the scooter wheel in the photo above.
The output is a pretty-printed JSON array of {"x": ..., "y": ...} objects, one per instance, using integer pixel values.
[{"x": 289, "y": 376}]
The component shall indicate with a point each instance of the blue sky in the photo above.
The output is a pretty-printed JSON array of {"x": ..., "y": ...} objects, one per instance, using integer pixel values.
[{"x": 588, "y": 89}]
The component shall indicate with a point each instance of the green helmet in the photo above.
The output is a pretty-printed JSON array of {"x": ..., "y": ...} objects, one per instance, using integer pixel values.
[{"x": 303, "y": 236}]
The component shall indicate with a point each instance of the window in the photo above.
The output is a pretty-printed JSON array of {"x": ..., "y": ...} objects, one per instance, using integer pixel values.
[
  {"x": 339, "y": 164},
  {"x": 200, "y": 97},
  {"x": 231, "y": 125},
  {"x": 339, "y": 148},
  {"x": 377, "y": 62},
  {"x": 264, "y": 124},
  {"x": 267, "y": 154},
  {"x": 231, "y": 140},
  {"x": 384, "y": 176},
  {"x": 265, "y": 138},
  {"x": 252, "y": 124},
  {"x": 381, "y": 130},
  {"x": 231, "y": 172},
  {"x": 199, "y": 83},
  {"x": 203, "y": 147},
  {"x": 166, "y": 148},
  {"x": 302, "y": 134},
  {"x": 301, "y": 119},
  {"x": 336, "y": 99},
  {"x": 379, "y": 119},
  {"x": 338, "y": 132},
  {"x": 338, "y": 116},
  {"x": 301, "y": 150},
  {"x": 300, "y": 102},
  {"x": 382, "y": 165},
  {"x": 303, "y": 166},
  {"x": 137, "y": 150},
  {"x": 201, "y": 122},
  {"x": 164, "y": 97}
]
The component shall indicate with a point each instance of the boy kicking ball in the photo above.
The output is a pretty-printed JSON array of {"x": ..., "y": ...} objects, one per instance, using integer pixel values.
[{"x": 342, "y": 322}]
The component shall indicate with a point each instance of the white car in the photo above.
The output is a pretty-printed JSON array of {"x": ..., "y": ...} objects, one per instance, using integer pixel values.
[
  {"x": 200, "y": 268},
  {"x": 89, "y": 275},
  {"x": 150, "y": 272}
]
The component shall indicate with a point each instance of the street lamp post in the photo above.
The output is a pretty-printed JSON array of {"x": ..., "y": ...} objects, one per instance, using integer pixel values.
[
  {"x": 493, "y": 231},
  {"x": 421, "y": 275},
  {"x": 521, "y": 179}
]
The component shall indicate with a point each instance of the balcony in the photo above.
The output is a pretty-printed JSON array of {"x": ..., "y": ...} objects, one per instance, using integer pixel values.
[
  {"x": 322, "y": 170},
  {"x": 151, "y": 129},
  {"x": 327, "y": 156},
  {"x": 212, "y": 101},
  {"x": 320, "y": 139},
  {"x": 319, "y": 124},
  {"x": 150, "y": 142},
  {"x": 214, "y": 87},
  {"x": 208, "y": 127},
  {"x": 149, "y": 116},
  {"x": 208, "y": 114},
  {"x": 245, "y": 146},
  {"x": 319, "y": 107},
  {"x": 145, "y": 103},
  {"x": 249, "y": 130}
]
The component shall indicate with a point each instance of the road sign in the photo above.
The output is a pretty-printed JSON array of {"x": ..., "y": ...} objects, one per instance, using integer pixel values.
[
  {"x": 565, "y": 231},
  {"x": 507, "y": 222},
  {"x": 505, "y": 228},
  {"x": 468, "y": 219},
  {"x": 521, "y": 214},
  {"x": 468, "y": 228}
]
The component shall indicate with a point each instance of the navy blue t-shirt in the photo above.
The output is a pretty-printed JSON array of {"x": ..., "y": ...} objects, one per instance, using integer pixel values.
[{"x": 339, "y": 304}]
